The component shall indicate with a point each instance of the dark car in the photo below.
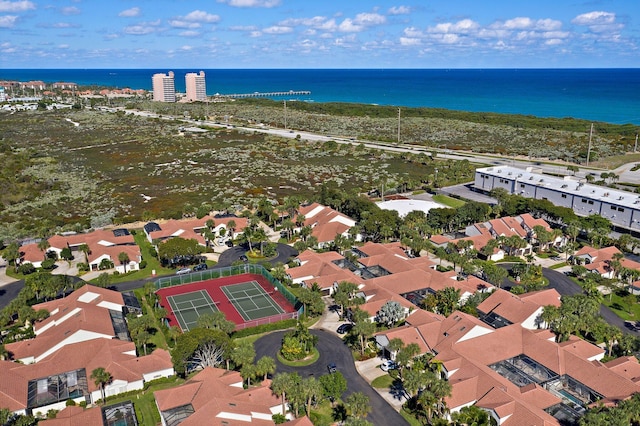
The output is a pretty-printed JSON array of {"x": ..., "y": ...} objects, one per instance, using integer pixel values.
[
  {"x": 244, "y": 258},
  {"x": 200, "y": 267},
  {"x": 344, "y": 328},
  {"x": 332, "y": 367},
  {"x": 229, "y": 243}
]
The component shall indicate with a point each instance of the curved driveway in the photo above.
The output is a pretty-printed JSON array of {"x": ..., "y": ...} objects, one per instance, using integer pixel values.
[
  {"x": 333, "y": 349},
  {"x": 227, "y": 257},
  {"x": 566, "y": 286}
]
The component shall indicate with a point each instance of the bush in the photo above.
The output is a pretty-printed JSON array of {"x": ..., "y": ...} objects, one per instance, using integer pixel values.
[
  {"x": 70, "y": 403},
  {"x": 143, "y": 264},
  {"x": 280, "y": 325},
  {"x": 26, "y": 268},
  {"x": 83, "y": 267},
  {"x": 48, "y": 264},
  {"x": 83, "y": 404}
]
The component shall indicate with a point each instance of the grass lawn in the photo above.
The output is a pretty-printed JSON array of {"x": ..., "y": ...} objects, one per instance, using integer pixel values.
[
  {"x": 144, "y": 403},
  {"x": 158, "y": 338},
  {"x": 382, "y": 382},
  {"x": 448, "y": 201},
  {"x": 617, "y": 304},
  {"x": 301, "y": 363},
  {"x": 410, "y": 418},
  {"x": 322, "y": 415},
  {"x": 152, "y": 262}
]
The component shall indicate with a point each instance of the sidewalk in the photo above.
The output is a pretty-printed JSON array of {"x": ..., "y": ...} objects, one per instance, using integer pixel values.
[{"x": 4, "y": 278}]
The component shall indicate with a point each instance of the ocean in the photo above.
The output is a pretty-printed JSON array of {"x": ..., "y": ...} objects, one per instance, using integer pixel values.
[{"x": 609, "y": 95}]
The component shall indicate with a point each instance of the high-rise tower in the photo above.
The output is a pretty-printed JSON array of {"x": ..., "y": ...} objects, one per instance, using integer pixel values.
[
  {"x": 164, "y": 88},
  {"x": 196, "y": 86}
]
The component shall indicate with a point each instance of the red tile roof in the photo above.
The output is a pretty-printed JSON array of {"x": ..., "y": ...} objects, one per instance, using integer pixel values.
[{"x": 214, "y": 392}]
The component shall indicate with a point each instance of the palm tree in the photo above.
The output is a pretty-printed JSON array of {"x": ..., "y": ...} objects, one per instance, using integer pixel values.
[
  {"x": 265, "y": 366},
  {"x": 43, "y": 246},
  {"x": 101, "y": 378},
  {"x": 280, "y": 385},
  {"x": 124, "y": 260},
  {"x": 231, "y": 226},
  {"x": 84, "y": 248},
  {"x": 358, "y": 405}
]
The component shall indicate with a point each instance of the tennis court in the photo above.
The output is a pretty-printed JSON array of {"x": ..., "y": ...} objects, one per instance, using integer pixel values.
[
  {"x": 188, "y": 307},
  {"x": 251, "y": 300}
]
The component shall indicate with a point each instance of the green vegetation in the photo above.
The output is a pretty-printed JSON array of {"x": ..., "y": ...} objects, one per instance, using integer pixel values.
[
  {"x": 95, "y": 174},
  {"x": 382, "y": 382},
  {"x": 448, "y": 201}
]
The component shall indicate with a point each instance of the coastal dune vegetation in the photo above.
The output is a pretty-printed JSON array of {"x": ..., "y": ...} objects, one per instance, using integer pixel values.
[
  {"x": 118, "y": 168},
  {"x": 543, "y": 138},
  {"x": 114, "y": 168}
]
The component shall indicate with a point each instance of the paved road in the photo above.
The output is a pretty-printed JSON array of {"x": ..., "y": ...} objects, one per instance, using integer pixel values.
[
  {"x": 285, "y": 253},
  {"x": 567, "y": 287},
  {"x": 333, "y": 349}
]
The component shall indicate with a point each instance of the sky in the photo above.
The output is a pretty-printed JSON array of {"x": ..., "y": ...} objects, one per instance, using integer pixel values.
[{"x": 319, "y": 34}]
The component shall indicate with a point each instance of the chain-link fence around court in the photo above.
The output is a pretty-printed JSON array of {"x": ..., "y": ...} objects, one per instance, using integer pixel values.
[{"x": 214, "y": 273}]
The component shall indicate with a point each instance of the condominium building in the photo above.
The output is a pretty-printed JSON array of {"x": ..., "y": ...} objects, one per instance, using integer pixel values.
[
  {"x": 622, "y": 208},
  {"x": 196, "y": 86},
  {"x": 163, "y": 87}
]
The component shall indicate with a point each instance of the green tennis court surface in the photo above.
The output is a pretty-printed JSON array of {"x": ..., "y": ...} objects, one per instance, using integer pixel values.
[
  {"x": 251, "y": 301},
  {"x": 188, "y": 307}
]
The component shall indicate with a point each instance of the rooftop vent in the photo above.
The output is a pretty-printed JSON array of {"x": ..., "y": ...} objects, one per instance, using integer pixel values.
[
  {"x": 606, "y": 194},
  {"x": 564, "y": 186}
]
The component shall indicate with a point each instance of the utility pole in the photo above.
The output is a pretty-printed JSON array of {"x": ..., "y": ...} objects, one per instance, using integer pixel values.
[
  {"x": 589, "y": 149},
  {"x": 398, "y": 126},
  {"x": 635, "y": 147},
  {"x": 285, "y": 115}
]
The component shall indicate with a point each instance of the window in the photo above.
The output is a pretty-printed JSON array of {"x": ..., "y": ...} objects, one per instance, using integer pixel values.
[
  {"x": 584, "y": 200},
  {"x": 590, "y": 201},
  {"x": 620, "y": 209},
  {"x": 613, "y": 207},
  {"x": 563, "y": 195}
]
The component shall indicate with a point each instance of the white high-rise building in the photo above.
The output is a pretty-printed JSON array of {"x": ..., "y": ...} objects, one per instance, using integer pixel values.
[
  {"x": 164, "y": 89},
  {"x": 196, "y": 86}
]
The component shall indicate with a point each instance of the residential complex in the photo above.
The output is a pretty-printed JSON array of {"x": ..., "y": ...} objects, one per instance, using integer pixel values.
[
  {"x": 84, "y": 331},
  {"x": 196, "y": 86},
  {"x": 622, "y": 208},
  {"x": 164, "y": 87}
]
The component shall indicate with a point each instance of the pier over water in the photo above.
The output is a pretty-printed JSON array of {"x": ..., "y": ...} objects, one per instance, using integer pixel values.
[{"x": 265, "y": 94}]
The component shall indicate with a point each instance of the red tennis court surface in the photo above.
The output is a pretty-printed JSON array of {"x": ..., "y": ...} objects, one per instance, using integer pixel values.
[{"x": 214, "y": 288}]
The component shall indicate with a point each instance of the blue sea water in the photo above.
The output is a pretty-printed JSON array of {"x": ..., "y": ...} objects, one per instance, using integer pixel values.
[{"x": 609, "y": 95}]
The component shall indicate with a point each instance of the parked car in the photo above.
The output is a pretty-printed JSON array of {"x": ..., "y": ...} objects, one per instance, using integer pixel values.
[
  {"x": 229, "y": 243},
  {"x": 200, "y": 267},
  {"x": 388, "y": 365},
  {"x": 244, "y": 258},
  {"x": 183, "y": 271},
  {"x": 332, "y": 367},
  {"x": 344, "y": 328}
]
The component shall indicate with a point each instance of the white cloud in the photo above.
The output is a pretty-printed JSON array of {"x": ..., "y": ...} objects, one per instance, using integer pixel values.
[
  {"x": 594, "y": 18},
  {"x": 598, "y": 22},
  {"x": 186, "y": 48},
  {"x": 243, "y": 28},
  {"x": 463, "y": 26},
  {"x": 201, "y": 16},
  {"x": 15, "y": 6},
  {"x": 553, "y": 42},
  {"x": 278, "y": 29},
  {"x": 369, "y": 19},
  {"x": 349, "y": 26},
  {"x": 408, "y": 41},
  {"x": 413, "y": 32},
  {"x": 8, "y": 21},
  {"x": 251, "y": 3},
  {"x": 130, "y": 13},
  {"x": 71, "y": 10},
  {"x": 142, "y": 28},
  {"x": 63, "y": 46},
  {"x": 189, "y": 33},
  {"x": 176, "y": 23},
  {"x": 64, "y": 25},
  {"x": 399, "y": 10}
]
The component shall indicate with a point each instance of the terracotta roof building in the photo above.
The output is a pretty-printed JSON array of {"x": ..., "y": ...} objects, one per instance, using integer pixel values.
[{"x": 216, "y": 397}]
